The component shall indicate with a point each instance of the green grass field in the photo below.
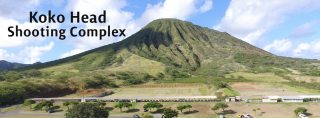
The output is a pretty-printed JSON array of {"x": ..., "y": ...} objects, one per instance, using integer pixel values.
[
  {"x": 229, "y": 92},
  {"x": 183, "y": 80},
  {"x": 10, "y": 108},
  {"x": 163, "y": 91},
  {"x": 260, "y": 77}
]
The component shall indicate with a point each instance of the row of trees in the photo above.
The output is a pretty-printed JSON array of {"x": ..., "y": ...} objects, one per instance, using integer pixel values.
[{"x": 97, "y": 109}]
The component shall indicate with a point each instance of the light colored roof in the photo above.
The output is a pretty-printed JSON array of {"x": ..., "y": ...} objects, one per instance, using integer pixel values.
[
  {"x": 294, "y": 96},
  {"x": 128, "y": 98}
]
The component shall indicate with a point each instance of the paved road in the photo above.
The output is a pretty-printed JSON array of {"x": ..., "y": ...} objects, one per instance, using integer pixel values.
[{"x": 17, "y": 113}]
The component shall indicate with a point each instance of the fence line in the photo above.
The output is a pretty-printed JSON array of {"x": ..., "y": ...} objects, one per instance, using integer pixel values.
[{"x": 163, "y": 85}]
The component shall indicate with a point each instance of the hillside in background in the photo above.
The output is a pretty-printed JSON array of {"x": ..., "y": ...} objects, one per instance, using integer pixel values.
[
  {"x": 4, "y": 65},
  {"x": 164, "y": 51}
]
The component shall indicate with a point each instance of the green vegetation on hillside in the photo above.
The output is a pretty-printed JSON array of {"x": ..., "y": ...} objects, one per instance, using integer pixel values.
[
  {"x": 164, "y": 51},
  {"x": 265, "y": 63},
  {"x": 4, "y": 65}
]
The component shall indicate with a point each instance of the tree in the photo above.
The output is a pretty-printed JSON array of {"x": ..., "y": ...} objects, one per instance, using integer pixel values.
[
  {"x": 29, "y": 103},
  {"x": 169, "y": 113},
  {"x": 1, "y": 78},
  {"x": 215, "y": 108},
  {"x": 160, "y": 75},
  {"x": 119, "y": 105},
  {"x": 66, "y": 104},
  {"x": 157, "y": 105},
  {"x": 188, "y": 106},
  {"x": 300, "y": 110},
  {"x": 149, "y": 105},
  {"x": 101, "y": 103},
  {"x": 181, "y": 107},
  {"x": 73, "y": 102},
  {"x": 232, "y": 76},
  {"x": 240, "y": 77},
  {"x": 222, "y": 105},
  {"x": 279, "y": 99},
  {"x": 127, "y": 104},
  {"x": 147, "y": 116},
  {"x": 47, "y": 104},
  {"x": 254, "y": 111},
  {"x": 39, "y": 106},
  {"x": 87, "y": 110}
]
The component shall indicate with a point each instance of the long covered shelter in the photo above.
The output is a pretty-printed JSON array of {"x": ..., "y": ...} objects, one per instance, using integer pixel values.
[
  {"x": 289, "y": 98},
  {"x": 134, "y": 99}
]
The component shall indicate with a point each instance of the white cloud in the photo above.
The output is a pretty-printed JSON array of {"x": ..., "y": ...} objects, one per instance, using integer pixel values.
[
  {"x": 303, "y": 30},
  {"x": 206, "y": 6},
  {"x": 119, "y": 19},
  {"x": 17, "y": 41},
  {"x": 12, "y": 10},
  {"x": 281, "y": 46},
  {"x": 5, "y": 55},
  {"x": 31, "y": 60},
  {"x": 72, "y": 52},
  {"x": 17, "y": 8},
  {"x": 180, "y": 9},
  {"x": 29, "y": 55},
  {"x": 115, "y": 17},
  {"x": 300, "y": 50},
  {"x": 35, "y": 51},
  {"x": 304, "y": 49},
  {"x": 249, "y": 19}
]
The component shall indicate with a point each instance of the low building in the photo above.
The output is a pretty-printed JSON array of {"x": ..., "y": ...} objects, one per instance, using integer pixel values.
[
  {"x": 233, "y": 99},
  {"x": 230, "y": 99},
  {"x": 270, "y": 99},
  {"x": 293, "y": 98}
]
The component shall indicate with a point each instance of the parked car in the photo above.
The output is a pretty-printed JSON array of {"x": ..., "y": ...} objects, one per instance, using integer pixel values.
[
  {"x": 244, "y": 116},
  {"x": 303, "y": 116},
  {"x": 145, "y": 110},
  {"x": 136, "y": 116},
  {"x": 51, "y": 111}
]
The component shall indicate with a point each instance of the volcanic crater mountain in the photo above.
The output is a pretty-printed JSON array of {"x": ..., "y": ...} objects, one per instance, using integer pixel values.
[
  {"x": 164, "y": 51},
  {"x": 162, "y": 43}
]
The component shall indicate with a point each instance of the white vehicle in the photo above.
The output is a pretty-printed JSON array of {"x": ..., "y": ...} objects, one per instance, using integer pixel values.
[
  {"x": 303, "y": 116},
  {"x": 244, "y": 116}
]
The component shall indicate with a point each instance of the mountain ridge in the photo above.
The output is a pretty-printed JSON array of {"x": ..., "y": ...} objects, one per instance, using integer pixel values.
[
  {"x": 5, "y": 65},
  {"x": 171, "y": 41}
]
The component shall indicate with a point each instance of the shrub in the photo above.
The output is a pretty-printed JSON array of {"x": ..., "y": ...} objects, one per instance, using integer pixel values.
[
  {"x": 240, "y": 77},
  {"x": 169, "y": 113},
  {"x": 87, "y": 110}
]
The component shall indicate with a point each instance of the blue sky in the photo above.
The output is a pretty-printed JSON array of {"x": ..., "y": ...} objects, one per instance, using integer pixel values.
[{"x": 284, "y": 28}]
